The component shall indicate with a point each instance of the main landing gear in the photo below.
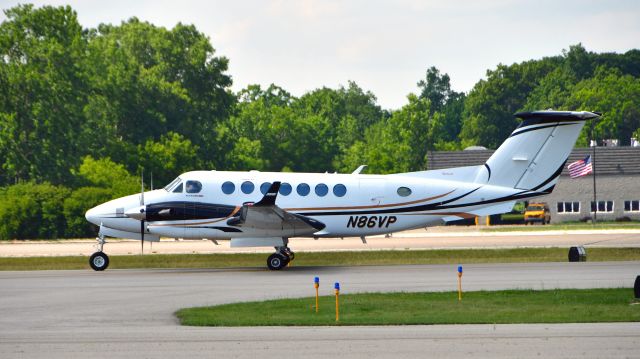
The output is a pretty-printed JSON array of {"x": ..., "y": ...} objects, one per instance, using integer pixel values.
[
  {"x": 99, "y": 261},
  {"x": 281, "y": 257}
]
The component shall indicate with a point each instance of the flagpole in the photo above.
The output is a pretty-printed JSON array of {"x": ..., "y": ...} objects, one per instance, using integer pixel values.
[{"x": 593, "y": 164}]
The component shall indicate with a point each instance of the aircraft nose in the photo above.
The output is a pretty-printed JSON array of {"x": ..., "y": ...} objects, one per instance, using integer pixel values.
[{"x": 92, "y": 216}]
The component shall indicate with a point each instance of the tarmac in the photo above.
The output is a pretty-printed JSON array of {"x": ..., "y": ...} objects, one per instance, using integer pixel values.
[{"x": 129, "y": 313}]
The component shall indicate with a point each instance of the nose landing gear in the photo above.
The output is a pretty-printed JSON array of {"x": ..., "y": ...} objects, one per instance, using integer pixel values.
[{"x": 99, "y": 261}]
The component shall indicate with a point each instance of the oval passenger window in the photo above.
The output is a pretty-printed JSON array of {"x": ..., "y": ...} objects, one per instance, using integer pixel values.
[
  {"x": 339, "y": 190},
  {"x": 228, "y": 187},
  {"x": 303, "y": 189},
  {"x": 247, "y": 187},
  {"x": 322, "y": 189},
  {"x": 285, "y": 189},
  {"x": 404, "y": 191}
]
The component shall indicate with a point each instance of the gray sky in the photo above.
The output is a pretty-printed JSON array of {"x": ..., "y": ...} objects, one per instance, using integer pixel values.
[{"x": 384, "y": 46}]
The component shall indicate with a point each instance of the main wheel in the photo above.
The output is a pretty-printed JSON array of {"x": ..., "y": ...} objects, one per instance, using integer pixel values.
[
  {"x": 99, "y": 261},
  {"x": 277, "y": 261}
]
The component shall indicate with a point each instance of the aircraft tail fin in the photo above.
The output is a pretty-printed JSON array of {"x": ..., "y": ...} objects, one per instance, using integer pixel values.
[{"x": 534, "y": 155}]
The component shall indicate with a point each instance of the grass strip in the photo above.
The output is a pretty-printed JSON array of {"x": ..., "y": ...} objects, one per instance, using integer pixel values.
[
  {"x": 347, "y": 258},
  {"x": 482, "y": 307}
]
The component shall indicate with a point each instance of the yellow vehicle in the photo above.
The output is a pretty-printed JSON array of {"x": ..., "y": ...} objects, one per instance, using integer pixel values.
[{"x": 537, "y": 213}]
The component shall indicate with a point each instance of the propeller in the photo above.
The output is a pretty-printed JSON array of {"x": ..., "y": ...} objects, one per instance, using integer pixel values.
[{"x": 142, "y": 209}]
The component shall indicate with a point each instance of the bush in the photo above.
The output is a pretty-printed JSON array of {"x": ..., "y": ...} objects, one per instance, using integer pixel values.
[
  {"x": 30, "y": 211},
  {"x": 77, "y": 204}
]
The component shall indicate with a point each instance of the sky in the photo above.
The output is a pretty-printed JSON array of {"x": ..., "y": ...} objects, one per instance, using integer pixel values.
[{"x": 384, "y": 46}]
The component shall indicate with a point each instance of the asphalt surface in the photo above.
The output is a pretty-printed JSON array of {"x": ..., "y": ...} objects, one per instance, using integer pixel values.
[{"x": 129, "y": 313}]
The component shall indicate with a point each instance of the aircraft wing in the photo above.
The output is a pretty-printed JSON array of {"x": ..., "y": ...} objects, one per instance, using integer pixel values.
[{"x": 265, "y": 215}]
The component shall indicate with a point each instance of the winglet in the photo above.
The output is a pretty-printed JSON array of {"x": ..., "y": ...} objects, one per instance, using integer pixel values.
[{"x": 269, "y": 198}]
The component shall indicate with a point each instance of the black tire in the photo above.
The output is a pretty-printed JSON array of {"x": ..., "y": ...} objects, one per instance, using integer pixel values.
[
  {"x": 99, "y": 261},
  {"x": 277, "y": 261}
]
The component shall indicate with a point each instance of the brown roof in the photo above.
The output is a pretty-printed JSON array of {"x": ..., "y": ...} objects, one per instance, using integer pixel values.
[{"x": 608, "y": 160}]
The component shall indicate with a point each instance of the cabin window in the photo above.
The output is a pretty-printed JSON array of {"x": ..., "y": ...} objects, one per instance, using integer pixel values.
[
  {"x": 404, "y": 191},
  {"x": 339, "y": 190},
  {"x": 265, "y": 187},
  {"x": 194, "y": 186},
  {"x": 228, "y": 187},
  {"x": 321, "y": 189},
  {"x": 285, "y": 189},
  {"x": 303, "y": 189},
  {"x": 247, "y": 187},
  {"x": 178, "y": 189}
]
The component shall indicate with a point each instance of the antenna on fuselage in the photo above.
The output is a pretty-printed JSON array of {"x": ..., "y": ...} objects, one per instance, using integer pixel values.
[{"x": 358, "y": 170}]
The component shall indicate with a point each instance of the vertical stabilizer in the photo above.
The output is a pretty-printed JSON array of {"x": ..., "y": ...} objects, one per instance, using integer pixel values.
[{"x": 533, "y": 156}]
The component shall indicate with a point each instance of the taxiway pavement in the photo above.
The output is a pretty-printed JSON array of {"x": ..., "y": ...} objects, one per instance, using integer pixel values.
[{"x": 129, "y": 313}]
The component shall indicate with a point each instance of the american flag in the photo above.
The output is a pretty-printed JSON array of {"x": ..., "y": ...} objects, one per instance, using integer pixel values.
[{"x": 581, "y": 167}]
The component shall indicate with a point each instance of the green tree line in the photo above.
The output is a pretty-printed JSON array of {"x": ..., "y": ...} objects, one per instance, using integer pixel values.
[{"x": 84, "y": 110}]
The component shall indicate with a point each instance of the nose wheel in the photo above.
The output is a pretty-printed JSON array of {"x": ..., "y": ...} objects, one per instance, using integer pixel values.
[
  {"x": 280, "y": 259},
  {"x": 99, "y": 261}
]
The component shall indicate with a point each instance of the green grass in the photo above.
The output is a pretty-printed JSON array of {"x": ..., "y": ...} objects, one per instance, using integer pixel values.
[
  {"x": 453, "y": 256},
  {"x": 568, "y": 226},
  {"x": 509, "y": 306}
]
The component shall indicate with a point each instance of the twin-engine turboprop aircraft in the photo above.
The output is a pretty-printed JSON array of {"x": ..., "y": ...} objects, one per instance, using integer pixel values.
[{"x": 265, "y": 209}]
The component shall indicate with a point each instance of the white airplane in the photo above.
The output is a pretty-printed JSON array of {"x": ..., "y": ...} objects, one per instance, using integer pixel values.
[{"x": 265, "y": 209}]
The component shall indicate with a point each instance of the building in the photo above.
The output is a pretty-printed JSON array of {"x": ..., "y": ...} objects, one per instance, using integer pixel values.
[{"x": 617, "y": 172}]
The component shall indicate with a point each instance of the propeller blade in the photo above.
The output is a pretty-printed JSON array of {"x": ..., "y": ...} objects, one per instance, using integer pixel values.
[
  {"x": 141, "y": 204},
  {"x": 142, "y": 187}
]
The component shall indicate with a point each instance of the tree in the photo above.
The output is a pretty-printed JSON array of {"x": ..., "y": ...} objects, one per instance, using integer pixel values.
[
  {"x": 41, "y": 71},
  {"x": 617, "y": 96},
  {"x": 104, "y": 173},
  {"x": 148, "y": 81},
  {"x": 32, "y": 211},
  {"x": 168, "y": 157},
  {"x": 489, "y": 107}
]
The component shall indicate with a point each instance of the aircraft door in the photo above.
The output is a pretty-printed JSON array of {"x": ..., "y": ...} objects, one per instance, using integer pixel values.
[{"x": 374, "y": 189}]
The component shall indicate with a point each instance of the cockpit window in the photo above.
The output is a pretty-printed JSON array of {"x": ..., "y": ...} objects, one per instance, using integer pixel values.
[
  {"x": 178, "y": 189},
  {"x": 194, "y": 186},
  {"x": 173, "y": 183}
]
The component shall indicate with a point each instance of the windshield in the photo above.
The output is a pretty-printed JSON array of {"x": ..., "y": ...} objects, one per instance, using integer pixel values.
[
  {"x": 535, "y": 208},
  {"x": 173, "y": 183}
]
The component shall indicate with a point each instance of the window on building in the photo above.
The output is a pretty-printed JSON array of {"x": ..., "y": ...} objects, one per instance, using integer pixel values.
[
  {"x": 632, "y": 206},
  {"x": 603, "y": 206},
  {"x": 568, "y": 207}
]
